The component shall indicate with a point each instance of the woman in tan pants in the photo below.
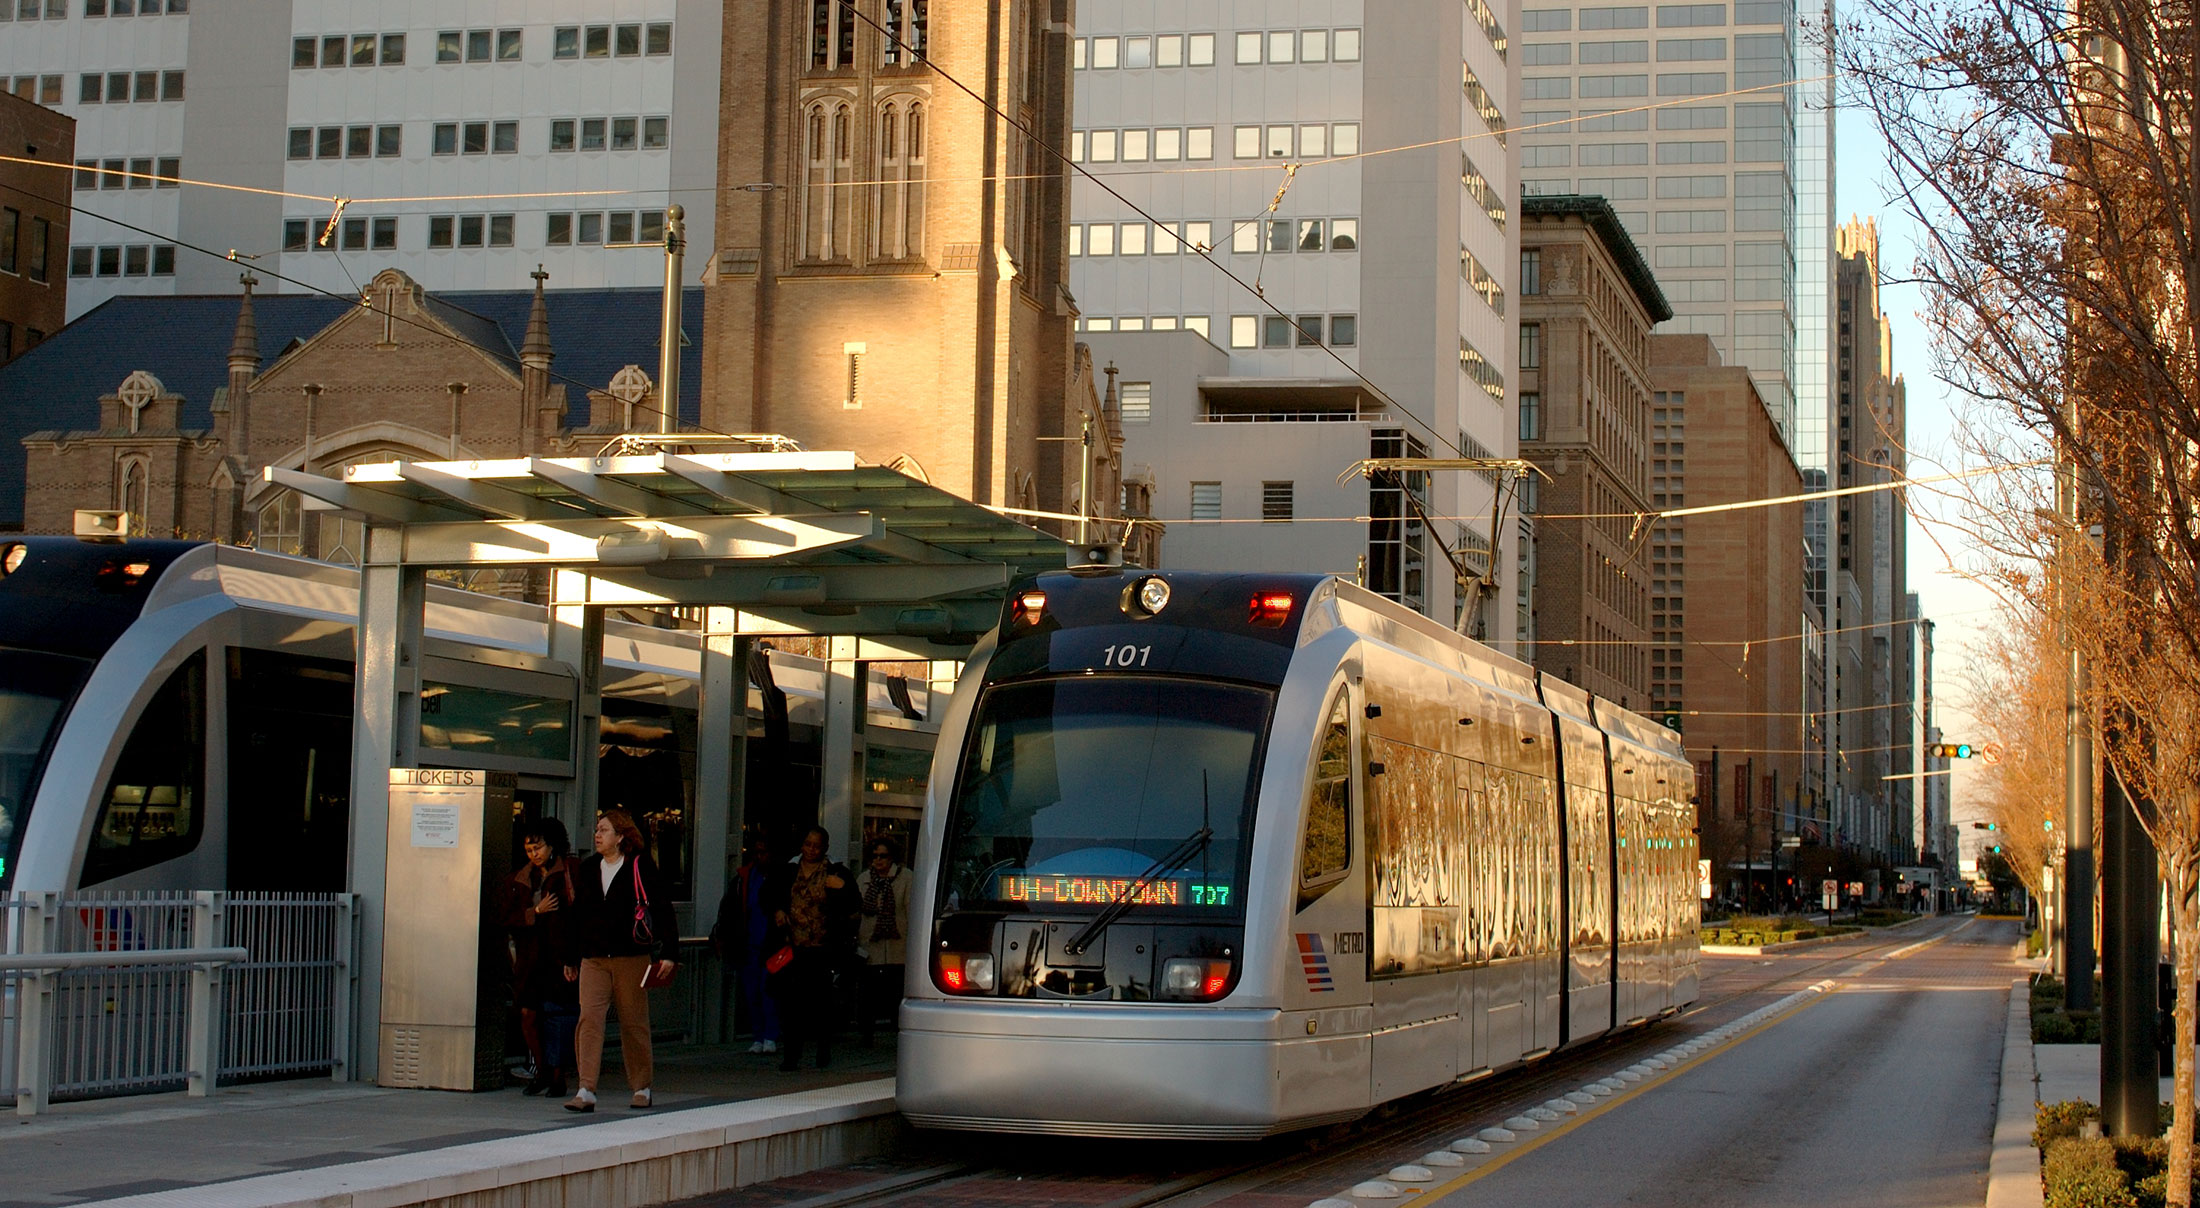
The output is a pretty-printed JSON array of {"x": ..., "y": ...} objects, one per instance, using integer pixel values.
[{"x": 618, "y": 942}]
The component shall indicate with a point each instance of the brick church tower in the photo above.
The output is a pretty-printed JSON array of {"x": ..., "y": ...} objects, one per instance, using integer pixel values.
[{"x": 891, "y": 267}]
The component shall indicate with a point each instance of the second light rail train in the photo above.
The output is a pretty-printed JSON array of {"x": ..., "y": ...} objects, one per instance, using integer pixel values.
[{"x": 1221, "y": 856}]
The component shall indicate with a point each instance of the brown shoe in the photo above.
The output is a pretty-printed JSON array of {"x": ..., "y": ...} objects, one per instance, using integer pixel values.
[
  {"x": 640, "y": 1101},
  {"x": 583, "y": 1102}
]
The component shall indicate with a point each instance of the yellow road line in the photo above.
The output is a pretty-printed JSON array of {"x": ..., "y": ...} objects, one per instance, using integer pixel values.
[{"x": 1524, "y": 1146}]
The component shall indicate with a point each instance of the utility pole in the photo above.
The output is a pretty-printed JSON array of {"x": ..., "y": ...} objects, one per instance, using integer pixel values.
[
  {"x": 2130, "y": 890},
  {"x": 2077, "y": 879},
  {"x": 668, "y": 332}
]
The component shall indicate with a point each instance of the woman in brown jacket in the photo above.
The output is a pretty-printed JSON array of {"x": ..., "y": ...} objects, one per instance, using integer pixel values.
[{"x": 621, "y": 939}]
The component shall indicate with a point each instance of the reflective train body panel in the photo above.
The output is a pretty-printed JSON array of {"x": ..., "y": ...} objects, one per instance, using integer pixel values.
[
  {"x": 1363, "y": 857},
  {"x": 177, "y": 715}
]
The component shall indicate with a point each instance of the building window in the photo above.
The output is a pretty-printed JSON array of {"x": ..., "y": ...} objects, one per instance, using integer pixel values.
[
  {"x": 11, "y": 220},
  {"x": 508, "y": 44},
  {"x": 561, "y": 135},
  {"x": 1206, "y": 501},
  {"x": 1344, "y": 331},
  {"x": 1244, "y": 331},
  {"x": 1310, "y": 331},
  {"x": 1531, "y": 272},
  {"x": 1135, "y": 402},
  {"x": 450, "y": 46},
  {"x": 169, "y": 168},
  {"x": 393, "y": 50},
  {"x": 80, "y": 262},
  {"x": 385, "y": 234},
  {"x": 1531, "y": 414},
  {"x": 1275, "y": 501},
  {"x": 1531, "y": 345},
  {"x": 446, "y": 138},
  {"x": 440, "y": 230},
  {"x": 389, "y": 140},
  {"x": 297, "y": 235},
  {"x": 1248, "y": 48},
  {"x": 565, "y": 42}
]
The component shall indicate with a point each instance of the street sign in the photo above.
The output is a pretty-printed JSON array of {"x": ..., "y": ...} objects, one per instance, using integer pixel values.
[
  {"x": 1830, "y": 891},
  {"x": 1703, "y": 879},
  {"x": 1791, "y": 840}
]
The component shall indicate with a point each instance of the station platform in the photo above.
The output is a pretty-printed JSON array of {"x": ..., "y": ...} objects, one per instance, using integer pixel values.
[{"x": 724, "y": 1118}]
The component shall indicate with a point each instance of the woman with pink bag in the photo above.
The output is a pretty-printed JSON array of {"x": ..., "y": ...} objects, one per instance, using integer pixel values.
[{"x": 617, "y": 949}]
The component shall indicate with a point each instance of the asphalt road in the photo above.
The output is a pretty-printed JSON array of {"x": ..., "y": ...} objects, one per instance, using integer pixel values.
[{"x": 1879, "y": 1093}]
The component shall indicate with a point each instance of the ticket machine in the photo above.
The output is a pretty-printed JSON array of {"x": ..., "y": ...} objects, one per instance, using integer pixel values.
[{"x": 443, "y": 962}]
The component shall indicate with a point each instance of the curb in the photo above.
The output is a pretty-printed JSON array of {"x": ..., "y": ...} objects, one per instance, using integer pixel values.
[
  {"x": 2013, "y": 1173},
  {"x": 651, "y": 1160}
]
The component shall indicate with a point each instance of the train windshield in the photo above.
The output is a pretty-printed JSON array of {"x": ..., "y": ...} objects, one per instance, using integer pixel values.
[
  {"x": 35, "y": 690},
  {"x": 1076, "y": 793}
]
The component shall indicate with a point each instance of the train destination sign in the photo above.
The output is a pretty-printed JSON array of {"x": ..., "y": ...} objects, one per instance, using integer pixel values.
[{"x": 1058, "y": 889}]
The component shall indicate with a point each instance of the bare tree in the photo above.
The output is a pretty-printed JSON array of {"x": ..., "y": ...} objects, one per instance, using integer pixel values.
[{"x": 2047, "y": 157}]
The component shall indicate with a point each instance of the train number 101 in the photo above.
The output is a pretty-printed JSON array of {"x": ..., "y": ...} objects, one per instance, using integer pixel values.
[{"x": 1125, "y": 656}]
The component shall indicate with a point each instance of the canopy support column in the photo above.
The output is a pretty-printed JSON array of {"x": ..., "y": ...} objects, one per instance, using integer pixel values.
[
  {"x": 393, "y": 600},
  {"x": 721, "y": 784},
  {"x": 840, "y": 762},
  {"x": 576, "y": 639}
]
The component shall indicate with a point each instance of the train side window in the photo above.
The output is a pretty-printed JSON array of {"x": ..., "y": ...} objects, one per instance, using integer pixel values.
[
  {"x": 1325, "y": 851},
  {"x": 153, "y": 809}
]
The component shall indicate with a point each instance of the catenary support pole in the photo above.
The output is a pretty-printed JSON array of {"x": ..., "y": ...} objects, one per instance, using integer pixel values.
[{"x": 2130, "y": 949}]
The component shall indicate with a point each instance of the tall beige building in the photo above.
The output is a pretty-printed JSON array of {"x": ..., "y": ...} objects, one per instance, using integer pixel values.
[
  {"x": 890, "y": 268},
  {"x": 1587, "y": 303}
]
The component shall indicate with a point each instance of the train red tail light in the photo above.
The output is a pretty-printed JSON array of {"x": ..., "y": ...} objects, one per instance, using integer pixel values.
[
  {"x": 1027, "y": 607},
  {"x": 964, "y": 972},
  {"x": 1194, "y": 977},
  {"x": 1269, "y": 609}
]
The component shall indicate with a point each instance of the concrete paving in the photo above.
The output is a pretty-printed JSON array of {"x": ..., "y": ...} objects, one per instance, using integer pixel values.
[{"x": 83, "y": 1152}]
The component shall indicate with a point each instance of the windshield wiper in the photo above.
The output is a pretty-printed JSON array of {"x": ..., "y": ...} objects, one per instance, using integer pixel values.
[{"x": 1196, "y": 841}]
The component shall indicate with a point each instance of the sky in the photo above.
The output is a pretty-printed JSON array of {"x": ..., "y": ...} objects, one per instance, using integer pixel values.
[{"x": 1962, "y": 611}]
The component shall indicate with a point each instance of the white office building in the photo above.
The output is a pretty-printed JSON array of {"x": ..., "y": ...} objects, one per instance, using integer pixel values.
[
  {"x": 1348, "y": 161},
  {"x": 470, "y": 141}
]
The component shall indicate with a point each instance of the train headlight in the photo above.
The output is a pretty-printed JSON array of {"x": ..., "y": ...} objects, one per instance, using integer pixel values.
[
  {"x": 1194, "y": 977},
  {"x": 12, "y": 557},
  {"x": 1153, "y": 595},
  {"x": 966, "y": 972}
]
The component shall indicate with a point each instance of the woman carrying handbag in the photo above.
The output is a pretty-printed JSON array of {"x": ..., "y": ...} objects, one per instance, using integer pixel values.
[{"x": 616, "y": 949}]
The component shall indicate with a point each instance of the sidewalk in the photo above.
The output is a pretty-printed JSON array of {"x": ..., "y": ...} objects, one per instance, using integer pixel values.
[
  {"x": 2030, "y": 1075},
  {"x": 98, "y": 1150}
]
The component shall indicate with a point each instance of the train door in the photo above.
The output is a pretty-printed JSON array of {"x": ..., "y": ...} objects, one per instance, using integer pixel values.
[
  {"x": 289, "y": 799},
  {"x": 1416, "y": 949},
  {"x": 1325, "y": 967}
]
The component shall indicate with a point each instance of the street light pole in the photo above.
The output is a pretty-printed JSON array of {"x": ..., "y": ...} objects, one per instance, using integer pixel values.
[{"x": 668, "y": 331}]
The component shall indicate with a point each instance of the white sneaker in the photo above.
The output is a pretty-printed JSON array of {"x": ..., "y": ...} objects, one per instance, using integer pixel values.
[
  {"x": 759, "y": 1047},
  {"x": 771, "y": 1046}
]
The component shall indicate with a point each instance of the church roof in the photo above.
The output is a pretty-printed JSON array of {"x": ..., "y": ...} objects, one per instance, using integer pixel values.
[{"x": 184, "y": 341}]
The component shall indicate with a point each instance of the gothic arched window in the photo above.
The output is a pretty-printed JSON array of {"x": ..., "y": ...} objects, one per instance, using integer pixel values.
[{"x": 913, "y": 171}]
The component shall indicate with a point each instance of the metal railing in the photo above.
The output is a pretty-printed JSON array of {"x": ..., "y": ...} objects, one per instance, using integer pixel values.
[{"x": 121, "y": 993}]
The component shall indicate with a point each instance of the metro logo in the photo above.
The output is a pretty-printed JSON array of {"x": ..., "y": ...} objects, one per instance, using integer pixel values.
[{"x": 1315, "y": 961}]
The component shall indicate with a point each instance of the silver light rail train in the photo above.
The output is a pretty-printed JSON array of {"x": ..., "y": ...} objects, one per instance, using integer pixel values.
[
  {"x": 1221, "y": 856},
  {"x": 177, "y": 715}
]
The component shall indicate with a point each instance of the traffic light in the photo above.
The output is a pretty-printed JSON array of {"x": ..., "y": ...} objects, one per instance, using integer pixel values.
[
  {"x": 1986, "y": 826},
  {"x": 1949, "y": 750},
  {"x": 1996, "y": 849}
]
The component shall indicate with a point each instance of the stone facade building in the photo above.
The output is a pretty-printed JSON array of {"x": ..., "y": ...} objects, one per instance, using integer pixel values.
[
  {"x": 34, "y": 223},
  {"x": 1586, "y": 308},
  {"x": 179, "y": 437},
  {"x": 890, "y": 262},
  {"x": 1735, "y": 640}
]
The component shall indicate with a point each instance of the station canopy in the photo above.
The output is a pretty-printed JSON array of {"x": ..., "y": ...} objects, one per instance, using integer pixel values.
[{"x": 810, "y": 542}]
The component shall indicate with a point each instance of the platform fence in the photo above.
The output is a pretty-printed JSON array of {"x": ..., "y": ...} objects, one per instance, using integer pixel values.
[{"x": 122, "y": 993}]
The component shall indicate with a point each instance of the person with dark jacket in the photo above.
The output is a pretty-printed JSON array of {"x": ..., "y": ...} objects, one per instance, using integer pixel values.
[
  {"x": 537, "y": 903},
  {"x": 814, "y": 907},
  {"x": 620, "y": 939},
  {"x": 739, "y": 937}
]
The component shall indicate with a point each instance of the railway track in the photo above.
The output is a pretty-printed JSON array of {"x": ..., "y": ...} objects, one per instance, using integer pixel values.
[{"x": 972, "y": 1168}]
